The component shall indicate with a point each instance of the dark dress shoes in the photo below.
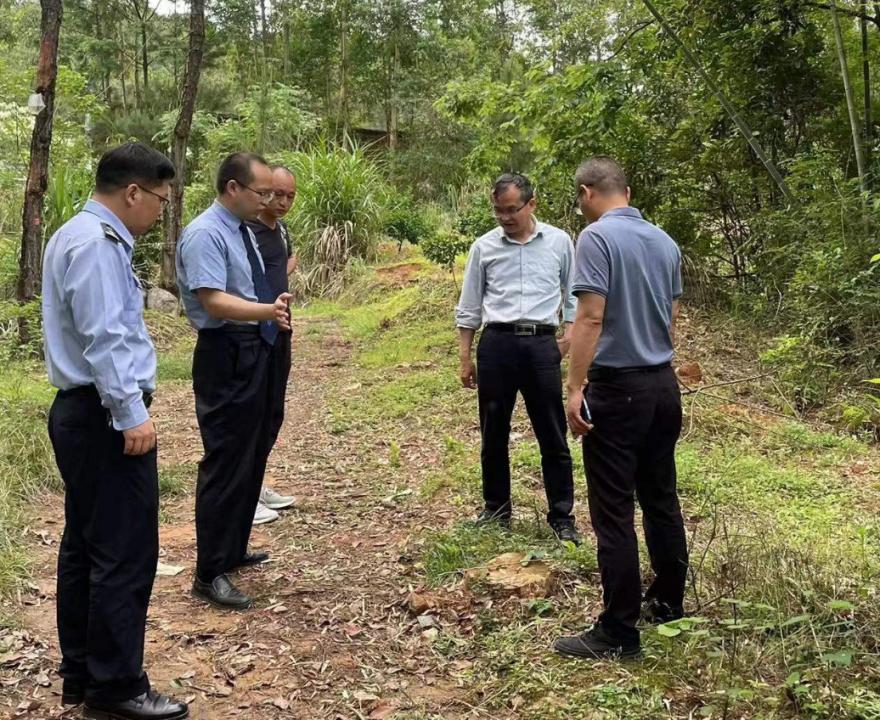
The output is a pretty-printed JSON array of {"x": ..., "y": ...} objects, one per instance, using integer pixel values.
[
  {"x": 658, "y": 612},
  {"x": 500, "y": 517},
  {"x": 596, "y": 644},
  {"x": 149, "y": 706},
  {"x": 221, "y": 593},
  {"x": 567, "y": 532},
  {"x": 253, "y": 558}
]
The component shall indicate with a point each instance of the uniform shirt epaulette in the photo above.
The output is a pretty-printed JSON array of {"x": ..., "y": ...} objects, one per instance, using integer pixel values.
[{"x": 110, "y": 233}]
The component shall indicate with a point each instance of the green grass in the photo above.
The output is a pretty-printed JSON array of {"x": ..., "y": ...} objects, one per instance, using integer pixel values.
[
  {"x": 27, "y": 465},
  {"x": 175, "y": 365},
  {"x": 175, "y": 480},
  {"x": 174, "y": 340}
]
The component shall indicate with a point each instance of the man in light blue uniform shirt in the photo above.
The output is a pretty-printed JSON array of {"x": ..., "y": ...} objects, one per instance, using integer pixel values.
[
  {"x": 99, "y": 355},
  {"x": 517, "y": 280},
  {"x": 228, "y": 299}
]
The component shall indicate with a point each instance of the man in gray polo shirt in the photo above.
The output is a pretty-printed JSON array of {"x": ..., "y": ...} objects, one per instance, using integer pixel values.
[
  {"x": 628, "y": 280},
  {"x": 516, "y": 281}
]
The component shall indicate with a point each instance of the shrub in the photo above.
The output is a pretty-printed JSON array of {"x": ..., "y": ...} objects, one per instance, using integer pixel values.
[
  {"x": 407, "y": 222},
  {"x": 443, "y": 247},
  {"x": 474, "y": 213}
]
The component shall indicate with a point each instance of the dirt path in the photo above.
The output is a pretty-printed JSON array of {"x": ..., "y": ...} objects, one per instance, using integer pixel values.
[{"x": 331, "y": 636}]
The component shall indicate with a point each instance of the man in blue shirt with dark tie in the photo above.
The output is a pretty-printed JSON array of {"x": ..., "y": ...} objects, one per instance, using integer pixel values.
[
  {"x": 226, "y": 295},
  {"x": 100, "y": 357}
]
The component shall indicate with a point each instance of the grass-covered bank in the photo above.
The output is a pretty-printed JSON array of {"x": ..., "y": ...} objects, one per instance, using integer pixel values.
[{"x": 783, "y": 520}]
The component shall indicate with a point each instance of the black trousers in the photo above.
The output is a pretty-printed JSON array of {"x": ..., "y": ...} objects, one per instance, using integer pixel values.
[
  {"x": 631, "y": 452},
  {"x": 108, "y": 553},
  {"x": 232, "y": 389},
  {"x": 279, "y": 372},
  {"x": 507, "y": 364}
]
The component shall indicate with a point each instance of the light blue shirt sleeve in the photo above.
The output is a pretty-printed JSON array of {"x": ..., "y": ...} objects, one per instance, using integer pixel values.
[
  {"x": 566, "y": 275},
  {"x": 96, "y": 288},
  {"x": 204, "y": 257},
  {"x": 469, "y": 313}
]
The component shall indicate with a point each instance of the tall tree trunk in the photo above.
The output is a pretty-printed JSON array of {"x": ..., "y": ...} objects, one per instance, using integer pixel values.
[
  {"x": 30, "y": 260},
  {"x": 343, "y": 67},
  {"x": 145, "y": 63},
  {"x": 173, "y": 219},
  {"x": 285, "y": 24},
  {"x": 264, "y": 81},
  {"x": 866, "y": 79},
  {"x": 122, "y": 70},
  {"x": 740, "y": 123},
  {"x": 850, "y": 99},
  {"x": 394, "y": 114}
]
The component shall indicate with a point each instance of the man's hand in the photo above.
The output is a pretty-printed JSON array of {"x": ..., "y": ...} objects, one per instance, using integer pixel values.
[
  {"x": 468, "y": 374},
  {"x": 140, "y": 440},
  {"x": 576, "y": 422},
  {"x": 282, "y": 310},
  {"x": 564, "y": 342}
]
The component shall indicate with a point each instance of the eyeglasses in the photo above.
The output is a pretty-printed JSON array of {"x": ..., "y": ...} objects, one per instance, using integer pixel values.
[
  {"x": 575, "y": 204},
  {"x": 162, "y": 199},
  {"x": 264, "y": 194},
  {"x": 508, "y": 212}
]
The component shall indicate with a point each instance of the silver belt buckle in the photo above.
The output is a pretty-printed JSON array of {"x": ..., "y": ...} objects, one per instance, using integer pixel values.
[{"x": 525, "y": 329}]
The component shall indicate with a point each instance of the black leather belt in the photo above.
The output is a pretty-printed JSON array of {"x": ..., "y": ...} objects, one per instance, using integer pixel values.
[
  {"x": 92, "y": 391},
  {"x": 232, "y": 329},
  {"x": 600, "y": 372},
  {"x": 523, "y": 328}
]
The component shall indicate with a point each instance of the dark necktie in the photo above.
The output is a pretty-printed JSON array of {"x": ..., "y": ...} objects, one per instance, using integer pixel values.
[{"x": 268, "y": 328}]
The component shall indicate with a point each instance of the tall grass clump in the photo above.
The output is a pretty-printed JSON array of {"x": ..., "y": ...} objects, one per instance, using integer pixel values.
[
  {"x": 339, "y": 214},
  {"x": 27, "y": 467},
  {"x": 68, "y": 190}
]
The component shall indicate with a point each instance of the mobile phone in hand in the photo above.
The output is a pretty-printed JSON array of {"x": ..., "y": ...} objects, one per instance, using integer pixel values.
[{"x": 585, "y": 411}]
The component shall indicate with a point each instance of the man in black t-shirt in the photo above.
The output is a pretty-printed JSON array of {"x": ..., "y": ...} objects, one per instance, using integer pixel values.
[{"x": 279, "y": 259}]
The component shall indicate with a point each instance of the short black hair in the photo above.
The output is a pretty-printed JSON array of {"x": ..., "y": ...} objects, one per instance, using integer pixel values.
[
  {"x": 130, "y": 163},
  {"x": 517, "y": 180},
  {"x": 237, "y": 167},
  {"x": 602, "y": 173}
]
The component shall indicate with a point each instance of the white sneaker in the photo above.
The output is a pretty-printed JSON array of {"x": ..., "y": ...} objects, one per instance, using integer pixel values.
[
  {"x": 274, "y": 500},
  {"x": 264, "y": 514}
]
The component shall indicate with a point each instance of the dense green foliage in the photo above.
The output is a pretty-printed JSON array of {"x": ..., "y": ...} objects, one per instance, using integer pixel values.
[{"x": 450, "y": 94}]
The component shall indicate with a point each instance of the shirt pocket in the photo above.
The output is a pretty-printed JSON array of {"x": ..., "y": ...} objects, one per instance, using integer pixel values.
[
  {"x": 543, "y": 273},
  {"x": 133, "y": 308}
]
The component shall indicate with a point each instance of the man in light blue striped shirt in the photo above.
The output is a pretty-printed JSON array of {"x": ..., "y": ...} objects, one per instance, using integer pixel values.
[{"x": 516, "y": 283}]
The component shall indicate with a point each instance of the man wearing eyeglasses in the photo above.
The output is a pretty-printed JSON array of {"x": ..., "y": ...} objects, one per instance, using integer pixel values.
[
  {"x": 516, "y": 283},
  {"x": 100, "y": 357},
  {"x": 276, "y": 249},
  {"x": 228, "y": 299}
]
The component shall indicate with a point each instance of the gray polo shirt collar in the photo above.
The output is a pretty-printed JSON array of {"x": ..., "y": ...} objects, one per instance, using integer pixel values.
[{"x": 623, "y": 212}]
